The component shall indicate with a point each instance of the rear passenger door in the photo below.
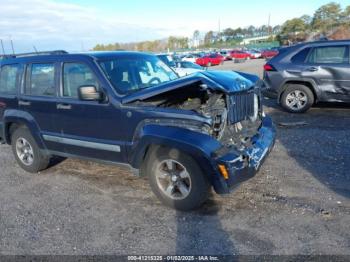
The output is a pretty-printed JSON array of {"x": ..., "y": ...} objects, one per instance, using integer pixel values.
[
  {"x": 38, "y": 97},
  {"x": 329, "y": 67}
]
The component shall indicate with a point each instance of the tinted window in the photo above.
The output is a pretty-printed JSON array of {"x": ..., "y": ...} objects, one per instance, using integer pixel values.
[
  {"x": 40, "y": 80},
  {"x": 301, "y": 56},
  {"x": 330, "y": 55},
  {"x": 8, "y": 79},
  {"x": 76, "y": 75}
]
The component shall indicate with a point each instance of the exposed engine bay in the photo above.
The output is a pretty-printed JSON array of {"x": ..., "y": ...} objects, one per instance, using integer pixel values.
[{"x": 213, "y": 105}]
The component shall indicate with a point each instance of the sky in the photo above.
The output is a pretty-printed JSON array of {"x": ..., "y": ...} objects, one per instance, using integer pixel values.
[{"x": 78, "y": 25}]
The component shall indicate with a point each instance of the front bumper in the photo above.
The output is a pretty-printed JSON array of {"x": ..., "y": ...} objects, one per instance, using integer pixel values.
[{"x": 244, "y": 165}]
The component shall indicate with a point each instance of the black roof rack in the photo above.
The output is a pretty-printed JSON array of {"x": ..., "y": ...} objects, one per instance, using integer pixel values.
[{"x": 54, "y": 52}]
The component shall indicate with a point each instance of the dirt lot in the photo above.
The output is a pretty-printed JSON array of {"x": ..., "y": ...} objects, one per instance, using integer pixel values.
[{"x": 299, "y": 202}]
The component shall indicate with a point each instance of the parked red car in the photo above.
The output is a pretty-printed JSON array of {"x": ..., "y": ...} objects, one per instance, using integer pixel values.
[
  {"x": 269, "y": 53},
  {"x": 237, "y": 54},
  {"x": 210, "y": 59}
]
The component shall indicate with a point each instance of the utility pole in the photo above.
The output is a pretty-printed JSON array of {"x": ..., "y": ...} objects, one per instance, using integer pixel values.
[
  {"x": 268, "y": 24},
  {"x": 219, "y": 36},
  {"x": 82, "y": 46}
]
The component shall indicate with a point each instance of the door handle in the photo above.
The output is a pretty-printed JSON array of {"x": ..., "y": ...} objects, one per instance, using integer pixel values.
[
  {"x": 64, "y": 106},
  {"x": 312, "y": 69},
  {"x": 24, "y": 103},
  {"x": 294, "y": 71}
]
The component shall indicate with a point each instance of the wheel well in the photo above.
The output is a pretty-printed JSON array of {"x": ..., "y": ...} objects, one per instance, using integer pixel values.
[
  {"x": 296, "y": 82},
  {"x": 148, "y": 149},
  {"x": 207, "y": 169},
  {"x": 11, "y": 128}
]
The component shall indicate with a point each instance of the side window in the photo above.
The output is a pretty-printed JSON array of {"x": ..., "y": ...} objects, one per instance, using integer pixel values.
[
  {"x": 329, "y": 55},
  {"x": 9, "y": 79},
  {"x": 76, "y": 75},
  {"x": 40, "y": 80},
  {"x": 301, "y": 56}
]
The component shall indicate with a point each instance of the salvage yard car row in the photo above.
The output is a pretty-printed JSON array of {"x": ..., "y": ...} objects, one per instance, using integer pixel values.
[{"x": 208, "y": 59}]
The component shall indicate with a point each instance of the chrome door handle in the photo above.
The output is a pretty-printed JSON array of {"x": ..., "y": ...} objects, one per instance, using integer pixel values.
[
  {"x": 24, "y": 103},
  {"x": 64, "y": 106}
]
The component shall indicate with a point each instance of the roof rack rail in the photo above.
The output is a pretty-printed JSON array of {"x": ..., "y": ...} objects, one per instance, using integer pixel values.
[{"x": 54, "y": 52}]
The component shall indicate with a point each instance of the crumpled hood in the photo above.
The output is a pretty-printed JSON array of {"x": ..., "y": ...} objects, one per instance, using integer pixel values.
[
  {"x": 232, "y": 81},
  {"x": 225, "y": 81}
]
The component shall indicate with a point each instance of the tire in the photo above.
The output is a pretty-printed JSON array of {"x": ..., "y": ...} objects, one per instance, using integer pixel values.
[
  {"x": 23, "y": 142},
  {"x": 163, "y": 166},
  {"x": 297, "y": 98}
]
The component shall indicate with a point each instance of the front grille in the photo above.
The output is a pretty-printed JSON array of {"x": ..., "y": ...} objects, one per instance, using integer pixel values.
[{"x": 242, "y": 106}]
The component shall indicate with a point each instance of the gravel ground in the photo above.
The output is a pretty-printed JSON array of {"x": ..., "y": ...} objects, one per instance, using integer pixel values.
[{"x": 298, "y": 203}]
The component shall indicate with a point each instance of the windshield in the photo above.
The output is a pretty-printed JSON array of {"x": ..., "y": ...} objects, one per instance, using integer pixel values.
[
  {"x": 191, "y": 65},
  {"x": 167, "y": 59},
  {"x": 131, "y": 74}
]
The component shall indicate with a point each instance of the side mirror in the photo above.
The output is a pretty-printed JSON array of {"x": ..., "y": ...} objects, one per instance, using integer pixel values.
[{"x": 89, "y": 93}]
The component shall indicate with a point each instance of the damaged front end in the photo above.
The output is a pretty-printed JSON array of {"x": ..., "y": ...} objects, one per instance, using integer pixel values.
[{"x": 230, "y": 109}]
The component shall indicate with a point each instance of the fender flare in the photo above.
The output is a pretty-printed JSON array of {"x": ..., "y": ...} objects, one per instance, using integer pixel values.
[
  {"x": 14, "y": 116},
  {"x": 309, "y": 81},
  {"x": 199, "y": 146}
]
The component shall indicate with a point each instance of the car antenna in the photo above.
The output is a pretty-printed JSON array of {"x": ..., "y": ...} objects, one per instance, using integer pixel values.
[
  {"x": 36, "y": 51},
  {"x": 2, "y": 45},
  {"x": 13, "y": 50}
]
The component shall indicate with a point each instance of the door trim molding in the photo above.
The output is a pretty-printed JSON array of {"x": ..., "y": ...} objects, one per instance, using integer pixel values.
[{"x": 82, "y": 143}]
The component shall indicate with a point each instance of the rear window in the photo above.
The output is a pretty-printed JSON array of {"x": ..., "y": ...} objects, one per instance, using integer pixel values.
[
  {"x": 40, "y": 80},
  {"x": 9, "y": 79},
  {"x": 329, "y": 55},
  {"x": 301, "y": 56}
]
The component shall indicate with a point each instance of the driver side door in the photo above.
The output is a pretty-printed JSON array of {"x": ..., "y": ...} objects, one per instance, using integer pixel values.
[{"x": 88, "y": 129}]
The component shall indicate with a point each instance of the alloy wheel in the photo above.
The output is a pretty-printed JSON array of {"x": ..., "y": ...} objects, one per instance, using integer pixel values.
[
  {"x": 173, "y": 179},
  {"x": 24, "y": 151},
  {"x": 296, "y": 100}
]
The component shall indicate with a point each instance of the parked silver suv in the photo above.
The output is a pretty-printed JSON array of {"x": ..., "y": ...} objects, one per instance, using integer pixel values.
[{"x": 304, "y": 74}]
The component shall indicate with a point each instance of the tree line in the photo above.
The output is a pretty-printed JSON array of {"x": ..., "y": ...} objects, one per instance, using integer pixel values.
[{"x": 328, "y": 20}]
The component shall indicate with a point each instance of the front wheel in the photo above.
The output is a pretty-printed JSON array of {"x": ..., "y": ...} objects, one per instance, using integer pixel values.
[
  {"x": 26, "y": 151},
  {"x": 176, "y": 179}
]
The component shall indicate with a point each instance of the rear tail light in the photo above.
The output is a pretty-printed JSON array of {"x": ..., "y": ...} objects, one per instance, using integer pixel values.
[{"x": 268, "y": 67}]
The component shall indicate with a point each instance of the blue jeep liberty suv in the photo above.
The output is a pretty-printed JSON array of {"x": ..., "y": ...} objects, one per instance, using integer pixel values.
[{"x": 186, "y": 134}]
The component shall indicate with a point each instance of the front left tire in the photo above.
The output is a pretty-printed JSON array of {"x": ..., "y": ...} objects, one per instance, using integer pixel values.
[{"x": 176, "y": 178}]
